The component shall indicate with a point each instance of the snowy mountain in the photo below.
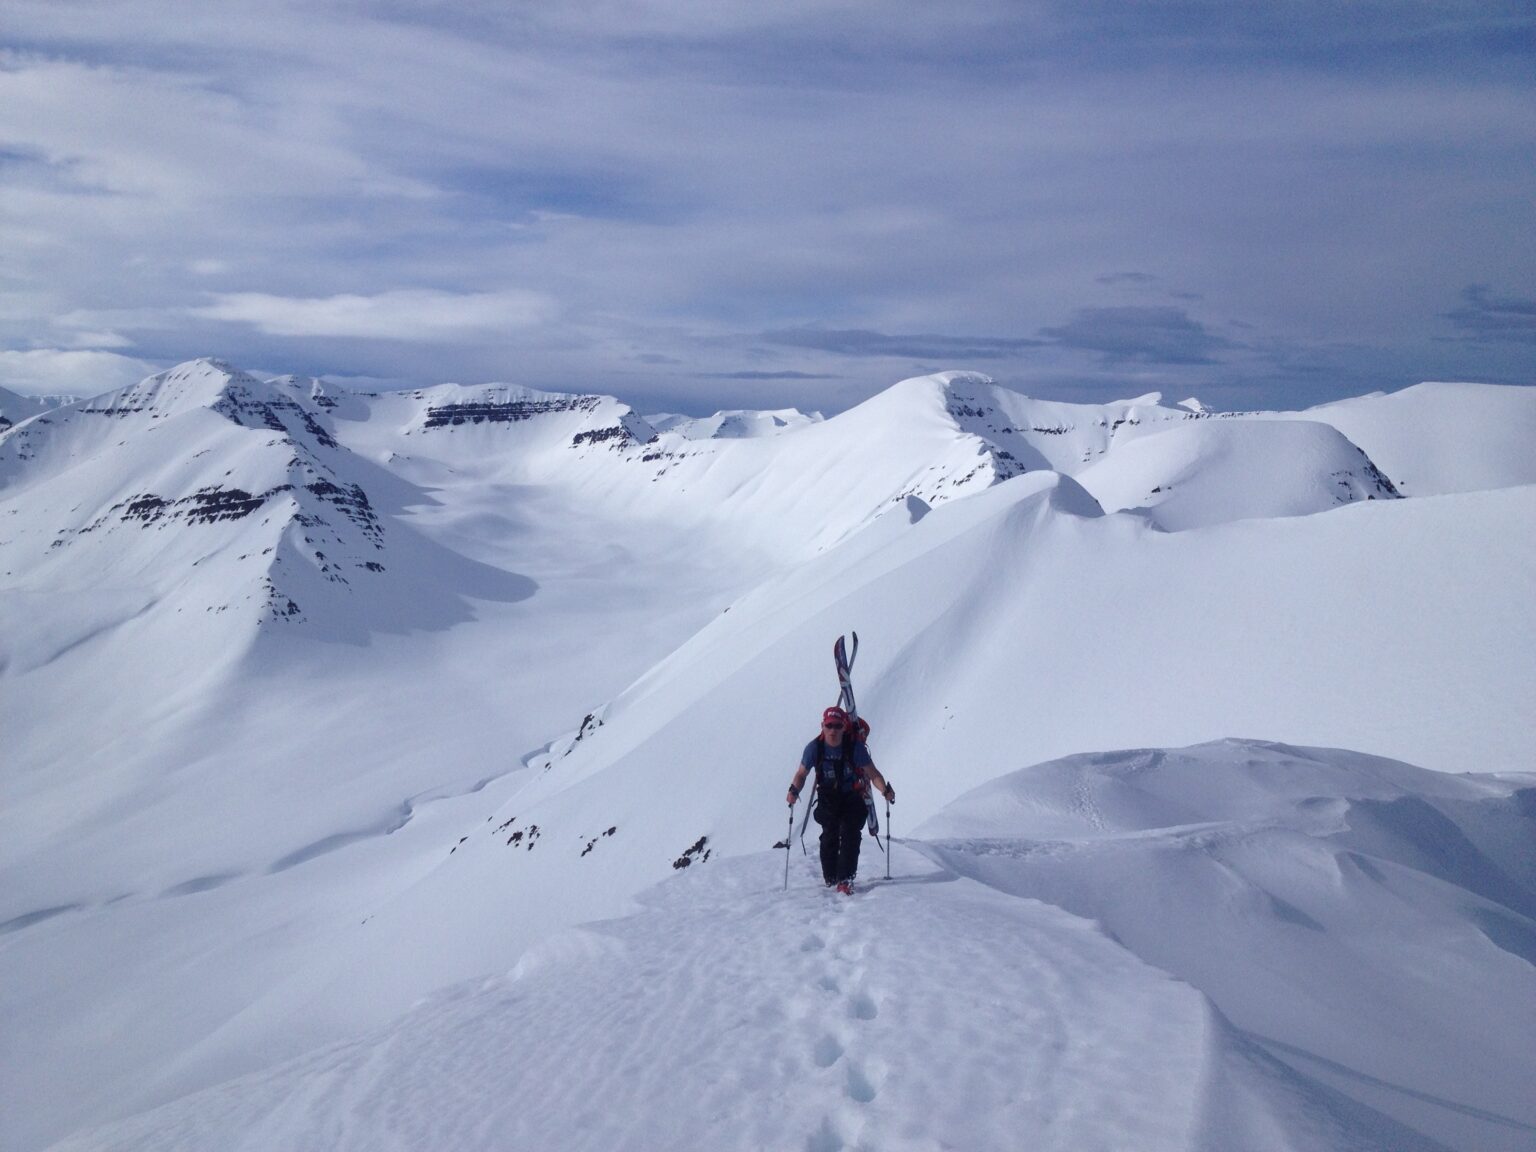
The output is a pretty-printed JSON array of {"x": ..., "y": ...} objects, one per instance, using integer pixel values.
[
  {"x": 970, "y": 1001},
  {"x": 1437, "y": 438},
  {"x": 15, "y": 408},
  {"x": 543, "y": 651},
  {"x": 1211, "y": 472},
  {"x": 1275, "y": 880},
  {"x": 733, "y": 424}
]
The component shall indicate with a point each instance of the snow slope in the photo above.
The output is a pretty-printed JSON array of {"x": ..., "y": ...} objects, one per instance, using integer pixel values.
[
  {"x": 940, "y": 1009},
  {"x": 14, "y": 408},
  {"x": 733, "y": 424},
  {"x": 1022, "y": 603},
  {"x": 1371, "y": 924},
  {"x": 1438, "y": 438},
  {"x": 244, "y": 834},
  {"x": 1209, "y": 472}
]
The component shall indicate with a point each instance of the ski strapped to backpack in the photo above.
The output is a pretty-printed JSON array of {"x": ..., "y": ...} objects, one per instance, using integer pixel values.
[
  {"x": 858, "y": 732},
  {"x": 858, "y": 729}
]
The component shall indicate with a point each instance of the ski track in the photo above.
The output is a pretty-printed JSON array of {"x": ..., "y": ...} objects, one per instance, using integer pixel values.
[{"x": 731, "y": 1015}]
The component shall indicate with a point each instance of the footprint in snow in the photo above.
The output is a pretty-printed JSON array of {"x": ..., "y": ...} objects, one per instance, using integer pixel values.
[
  {"x": 863, "y": 1007},
  {"x": 859, "y": 1087},
  {"x": 825, "y": 1138},
  {"x": 827, "y": 1052}
]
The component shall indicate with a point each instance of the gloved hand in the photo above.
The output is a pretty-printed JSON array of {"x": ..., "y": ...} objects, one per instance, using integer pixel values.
[{"x": 890, "y": 793}]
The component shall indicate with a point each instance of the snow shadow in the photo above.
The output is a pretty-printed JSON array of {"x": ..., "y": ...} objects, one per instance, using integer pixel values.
[
  {"x": 392, "y": 823},
  {"x": 1301, "y": 890},
  {"x": 1291, "y": 1054}
]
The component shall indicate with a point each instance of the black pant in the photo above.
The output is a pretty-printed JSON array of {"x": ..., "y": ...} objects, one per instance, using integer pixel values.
[{"x": 841, "y": 816}]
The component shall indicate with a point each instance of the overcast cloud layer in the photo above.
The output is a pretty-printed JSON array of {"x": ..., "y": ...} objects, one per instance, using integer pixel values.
[{"x": 721, "y": 203}]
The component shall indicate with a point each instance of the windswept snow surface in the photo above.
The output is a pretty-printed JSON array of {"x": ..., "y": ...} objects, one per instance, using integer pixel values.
[
  {"x": 1437, "y": 438},
  {"x": 734, "y": 424},
  {"x": 14, "y": 408},
  {"x": 1210, "y": 472},
  {"x": 956, "y": 1007},
  {"x": 1370, "y": 924},
  {"x": 231, "y": 833}
]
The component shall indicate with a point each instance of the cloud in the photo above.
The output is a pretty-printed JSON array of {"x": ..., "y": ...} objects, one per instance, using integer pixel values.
[
  {"x": 1147, "y": 335},
  {"x": 69, "y": 372},
  {"x": 1492, "y": 319},
  {"x": 863, "y": 181},
  {"x": 862, "y": 342},
  {"x": 785, "y": 375},
  {"x": 402, "y": 314}
]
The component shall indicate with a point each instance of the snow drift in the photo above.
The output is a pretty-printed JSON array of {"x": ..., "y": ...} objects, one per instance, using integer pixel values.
[
  {"x": 595, "y": 643},
  {"x": 1322, "y": 899},
  {"x": 942, "y": 1010}
]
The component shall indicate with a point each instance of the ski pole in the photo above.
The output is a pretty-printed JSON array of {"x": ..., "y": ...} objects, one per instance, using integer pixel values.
[
  {"x": 788, "y": 836},
  {"x": 887, "y": 837},
  {"x": 805, "y": 822}
]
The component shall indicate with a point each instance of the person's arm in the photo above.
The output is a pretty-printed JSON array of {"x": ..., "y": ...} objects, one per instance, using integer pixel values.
[
  {"x": 795, "y": 785},
  {"x": 872, "y": 774}
]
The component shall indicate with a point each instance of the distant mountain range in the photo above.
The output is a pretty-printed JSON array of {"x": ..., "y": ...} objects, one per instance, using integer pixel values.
[{"x": 317, "y": 702}]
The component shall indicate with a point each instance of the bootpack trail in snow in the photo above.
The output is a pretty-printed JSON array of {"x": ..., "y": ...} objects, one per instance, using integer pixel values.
[{"x": 729, "y": 1016}]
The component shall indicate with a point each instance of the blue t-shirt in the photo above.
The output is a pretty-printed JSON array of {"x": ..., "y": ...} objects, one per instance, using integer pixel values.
[{"x": 835, "y": 770}]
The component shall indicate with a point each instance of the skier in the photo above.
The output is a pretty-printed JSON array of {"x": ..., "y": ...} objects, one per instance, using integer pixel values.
[{"x": 844, "y": 772}]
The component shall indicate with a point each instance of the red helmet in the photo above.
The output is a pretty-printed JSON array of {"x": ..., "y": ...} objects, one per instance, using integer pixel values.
[{"x": 834, "y": 717}]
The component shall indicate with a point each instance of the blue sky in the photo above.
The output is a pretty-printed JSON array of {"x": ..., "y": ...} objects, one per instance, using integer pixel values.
[{"x": 697, "y": 204}]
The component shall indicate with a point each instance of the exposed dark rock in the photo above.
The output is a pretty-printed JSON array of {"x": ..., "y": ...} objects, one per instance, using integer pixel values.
[
  {"x": 250, "y": 411},
  {"x": 697, "y": 849},
  {"x": 353, "y": 504},
  {"x": 592, "y": 843},
  {"x": 526, "y": 837},
  {"x": 511, "y": 412},
  {"x": 600, "y": 435},
  {"x": 148, "y": 507},
  {"x": 209, "y": 505},
  {"x": 205, "y": 506}
]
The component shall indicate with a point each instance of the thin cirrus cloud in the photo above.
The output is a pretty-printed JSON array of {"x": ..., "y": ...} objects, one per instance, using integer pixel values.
[
  {"x": 1148, "y": 335},
  {"x": 402, "y": 314},
  {"x": 1486, "y": 317},
  {"x": 1157, "y": 335},
  {"x": 863, "y": 342},
  {"x": 737, "y": 204},
  {"x": 68, "y": 372}
]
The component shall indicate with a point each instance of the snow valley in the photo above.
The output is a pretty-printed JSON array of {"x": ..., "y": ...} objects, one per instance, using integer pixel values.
[{"x": 403, "y": 770}]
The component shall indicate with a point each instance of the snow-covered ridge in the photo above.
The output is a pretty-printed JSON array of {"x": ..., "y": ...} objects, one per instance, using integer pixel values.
[
  {"x": 244, "y": 841},
  {"x": 1010, "y": 984},
  {"x": 1210, "y": 472},
  {"x": 1437, "y": 438},
  {"x": 14, "y": 408},
  {"x": 1279, "y": 881},
  {"x": 214, "y": 492},
  {"x": 734, "y": 424}
]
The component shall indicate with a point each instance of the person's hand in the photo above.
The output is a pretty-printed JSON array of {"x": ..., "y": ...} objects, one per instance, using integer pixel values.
[
  {"x": 790, "y": 797},
  {"x": 890, "y": 793}
]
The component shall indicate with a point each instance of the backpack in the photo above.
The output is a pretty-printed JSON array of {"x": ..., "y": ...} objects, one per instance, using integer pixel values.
[{"x": 856, "y": 735}]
